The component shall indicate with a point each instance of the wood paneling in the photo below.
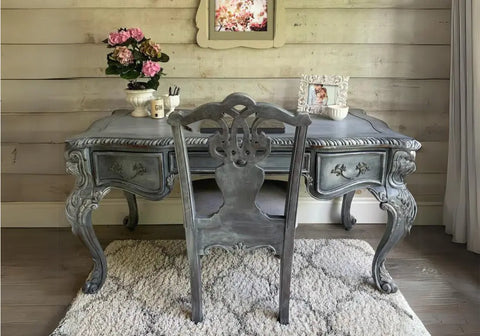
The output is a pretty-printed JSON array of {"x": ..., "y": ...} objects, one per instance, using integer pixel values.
[
  {"x": 105, "y": 94},
  {"x": 60, "y": 26},
  {"x": 189, "y": 60},
  {"x": 368, "y": 26},
  {"x": 46, "y": 127},
  {"x": 396, "y": 52},
  {"x": 103, "y": 3},
  {"x": 420, "y": 4},
  {"x": 366, "y": 4},
  {"x": 33, "y": 158},
  {"x": 28, "y": 128},
  {"x": 177, "y": 25}
]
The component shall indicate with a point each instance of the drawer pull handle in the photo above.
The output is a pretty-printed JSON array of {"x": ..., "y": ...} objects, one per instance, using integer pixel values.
[
  {"x": 340, "y": 170},
  {"x": 138, "y": 169}
]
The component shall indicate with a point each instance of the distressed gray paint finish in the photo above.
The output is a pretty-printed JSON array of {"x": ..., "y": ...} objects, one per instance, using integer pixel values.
[
  {"x": 358, "y": 133},
  {"x": 239, "y": 223},
  {"x": 348, "y": 220}
]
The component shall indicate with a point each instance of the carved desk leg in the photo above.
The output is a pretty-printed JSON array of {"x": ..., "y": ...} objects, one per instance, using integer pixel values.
[
  {"x": 131, "y": 220},
  {"x": 402, "y": 209},
  {"x": 83, "y": 199},
  {"x": 348, "y": 220}
]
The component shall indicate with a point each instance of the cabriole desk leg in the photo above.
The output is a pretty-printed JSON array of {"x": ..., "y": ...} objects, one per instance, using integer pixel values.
[
  {"x": 131, "y": 220},
  {"x": 401, "y": 208},
  {"x": 348, "y": 220},
  {"x": 79, "y": 205}
]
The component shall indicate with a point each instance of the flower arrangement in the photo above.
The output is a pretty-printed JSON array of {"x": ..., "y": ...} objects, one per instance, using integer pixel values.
[{"x": 133, "y": 57}]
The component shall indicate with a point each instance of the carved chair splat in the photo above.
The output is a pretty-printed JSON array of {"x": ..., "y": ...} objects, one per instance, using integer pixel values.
[{"x": 240, "y": 221}]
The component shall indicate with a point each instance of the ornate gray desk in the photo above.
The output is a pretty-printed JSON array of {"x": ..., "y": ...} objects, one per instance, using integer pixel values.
[{"x": 137, "y": 156}]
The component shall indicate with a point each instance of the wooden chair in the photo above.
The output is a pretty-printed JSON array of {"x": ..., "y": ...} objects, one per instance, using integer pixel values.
[{"x": 238, "y": 219}]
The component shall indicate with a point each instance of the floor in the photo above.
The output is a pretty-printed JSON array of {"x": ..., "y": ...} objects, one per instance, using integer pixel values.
[{"x": 42, "y": 270}]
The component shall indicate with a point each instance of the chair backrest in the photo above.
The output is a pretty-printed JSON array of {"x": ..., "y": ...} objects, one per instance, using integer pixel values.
[{"x": 241, "y": 148}]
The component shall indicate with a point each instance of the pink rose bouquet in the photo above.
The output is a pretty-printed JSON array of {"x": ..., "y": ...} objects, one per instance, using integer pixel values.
[{"x": 133, "y": 57}]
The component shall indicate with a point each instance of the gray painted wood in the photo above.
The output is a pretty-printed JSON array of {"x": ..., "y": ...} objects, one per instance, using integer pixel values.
[
  {"x": 131, "y": 220},
  {"x": 340, "y": 157},
  {"x": 239, "y": 223},
  {"x": 348, "y": 220}
]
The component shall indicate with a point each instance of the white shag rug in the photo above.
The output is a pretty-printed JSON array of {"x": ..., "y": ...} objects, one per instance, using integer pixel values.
[{"x": 147, "y": 292}]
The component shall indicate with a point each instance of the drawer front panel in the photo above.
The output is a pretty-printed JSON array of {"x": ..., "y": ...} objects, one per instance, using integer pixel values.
[
  {"x": 137, "y": 171},
  {"x": 337, "y": 171},
  {"x": 200, "y": 162}
]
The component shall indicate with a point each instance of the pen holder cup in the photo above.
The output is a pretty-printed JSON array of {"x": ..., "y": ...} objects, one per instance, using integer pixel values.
[{"x": 171, "y": 102}]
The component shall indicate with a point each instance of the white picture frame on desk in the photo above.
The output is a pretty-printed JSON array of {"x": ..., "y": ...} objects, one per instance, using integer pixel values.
[{"x": 318, "y": 91}]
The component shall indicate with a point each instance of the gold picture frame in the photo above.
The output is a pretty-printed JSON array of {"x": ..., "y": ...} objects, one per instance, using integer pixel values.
[{"x": 212, "y": 35}]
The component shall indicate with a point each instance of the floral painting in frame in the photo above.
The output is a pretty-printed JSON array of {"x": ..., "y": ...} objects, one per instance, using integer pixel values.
[
  {"x": 247, "y": 23},
  {"x": 241, "y": 15}
]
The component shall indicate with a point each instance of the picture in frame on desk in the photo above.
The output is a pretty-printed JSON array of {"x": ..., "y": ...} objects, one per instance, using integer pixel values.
[{"x": 319, "y": 91}]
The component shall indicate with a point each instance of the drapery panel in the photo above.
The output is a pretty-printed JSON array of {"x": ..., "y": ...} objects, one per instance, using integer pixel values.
[{"x": 461, "y": 214}]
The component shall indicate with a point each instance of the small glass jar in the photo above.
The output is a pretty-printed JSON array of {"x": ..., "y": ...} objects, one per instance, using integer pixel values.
[{"x": 157, "y": 109}]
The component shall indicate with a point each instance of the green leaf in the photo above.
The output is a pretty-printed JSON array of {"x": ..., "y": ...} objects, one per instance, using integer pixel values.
[
  {"x": 153, "y": 83},
  {"x": 163, "y": 58},
  {"x": 111, "y": 70},
  {"x": 139, "y": 55},
  {"x": 130, "y": 74}
]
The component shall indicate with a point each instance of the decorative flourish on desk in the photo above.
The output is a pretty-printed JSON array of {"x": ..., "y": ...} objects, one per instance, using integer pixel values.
[
  {"x": 138, "y": 169},
  {"x": 171, "y": 180},
  {"x": 340, "y": 170},
  {"x": 238, "y": 246}
]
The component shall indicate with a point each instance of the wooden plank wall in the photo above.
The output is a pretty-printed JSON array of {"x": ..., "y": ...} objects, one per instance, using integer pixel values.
[{"x": 53, "y": 83}]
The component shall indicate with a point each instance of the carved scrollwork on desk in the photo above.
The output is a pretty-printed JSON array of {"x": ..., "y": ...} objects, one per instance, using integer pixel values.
[
  {"x": 78, "y": 208},
  {"x": 402, "y": 166},
  {"x": 395, "y": 198},
  {"x": 308, "y": 179},
  {"x": 171, "y": 180},
  {"x": 340, "y": 170},
  {"x": 239, "y": 246},
  {"x": 138, "y": 170},
  {"x": 408, "y": 143}
]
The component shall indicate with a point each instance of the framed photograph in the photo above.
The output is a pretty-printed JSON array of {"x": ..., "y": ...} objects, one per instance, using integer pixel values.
[
  {"x": 318, "y": 91},
  {"x": 240, "y": 23}
]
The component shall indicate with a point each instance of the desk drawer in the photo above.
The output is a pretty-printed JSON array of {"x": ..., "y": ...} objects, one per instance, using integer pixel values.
[
  {"x": 202, "y": 162},
  {"x": 131, "y": 171},
  {"x": 337, "y": 171}
]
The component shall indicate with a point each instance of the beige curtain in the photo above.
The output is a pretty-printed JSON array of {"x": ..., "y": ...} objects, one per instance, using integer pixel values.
[{"x": 461, "y": 214}]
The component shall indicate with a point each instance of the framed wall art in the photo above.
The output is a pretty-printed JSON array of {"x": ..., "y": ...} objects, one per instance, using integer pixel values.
[
  {"x": 317, "y": 91},
  {"x": 240, "y": 23}
]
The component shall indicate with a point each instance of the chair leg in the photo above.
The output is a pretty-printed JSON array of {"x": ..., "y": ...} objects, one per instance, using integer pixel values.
[
  {"x": 285, "y": 279},
  {"x": 195, "y": 277}
]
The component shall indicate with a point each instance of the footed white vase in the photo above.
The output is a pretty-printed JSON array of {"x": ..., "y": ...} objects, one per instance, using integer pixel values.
[{"x": 139, "y": 99}]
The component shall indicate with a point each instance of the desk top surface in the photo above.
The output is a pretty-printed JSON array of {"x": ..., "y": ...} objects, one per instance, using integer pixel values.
[{"x": 357, "y": 130}]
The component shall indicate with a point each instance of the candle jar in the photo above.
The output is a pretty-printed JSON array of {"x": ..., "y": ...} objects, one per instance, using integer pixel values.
[{"x": 157, "y": 110}]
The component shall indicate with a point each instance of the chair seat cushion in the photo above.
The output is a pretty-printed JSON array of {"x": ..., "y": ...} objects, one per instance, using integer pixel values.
[{"x": 209, "y": 198}]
